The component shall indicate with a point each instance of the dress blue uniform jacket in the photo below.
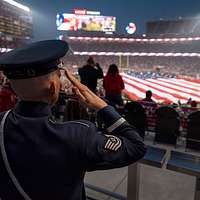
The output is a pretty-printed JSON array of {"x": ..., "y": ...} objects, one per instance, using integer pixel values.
[{"x": 49, "y": 159}]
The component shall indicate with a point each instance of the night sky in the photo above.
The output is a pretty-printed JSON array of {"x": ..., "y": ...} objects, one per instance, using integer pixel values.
[{"x": 137, "y": 11}]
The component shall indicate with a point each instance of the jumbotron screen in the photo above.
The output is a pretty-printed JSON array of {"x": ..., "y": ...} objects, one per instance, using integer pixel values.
[{"x": 73, "y": 22}]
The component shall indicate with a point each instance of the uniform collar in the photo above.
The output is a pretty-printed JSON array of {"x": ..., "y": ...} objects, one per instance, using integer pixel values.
[{"x": 32, "y": 109}]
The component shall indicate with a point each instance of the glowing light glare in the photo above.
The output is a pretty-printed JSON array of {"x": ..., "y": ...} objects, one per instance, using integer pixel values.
[
  {"x": 152, "y": 54},
  {"x": 4, "y": 50},
  {"x": 95, "y": 38},
  {"x": 18, "y": 5},
  {"x": 138, "y": 54},
  {"x": 137, "y": 39},
  {"x": 72, "y": 38},
  {"x": 160, "y": 54},
  {"x": 183, "y": 39}
]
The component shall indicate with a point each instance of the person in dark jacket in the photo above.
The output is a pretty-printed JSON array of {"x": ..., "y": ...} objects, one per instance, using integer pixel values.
[
  {"x": 148, "y": 97},
  {"x": 90, "y": 73},
  {"x": 113, "y": 85},
  {"x": 41, "y": 158}
]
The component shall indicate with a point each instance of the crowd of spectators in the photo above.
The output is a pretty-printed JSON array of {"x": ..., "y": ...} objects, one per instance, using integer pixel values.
[
  {"x": 126, "y": 46},
  {"x": 180, "y": 65},
  {"x": 186, "y": 66},
  {"x": 150, "y": 74}
]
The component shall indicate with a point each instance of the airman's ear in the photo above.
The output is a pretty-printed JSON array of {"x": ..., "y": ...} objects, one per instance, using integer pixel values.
[{"x": 52, "y": 88}]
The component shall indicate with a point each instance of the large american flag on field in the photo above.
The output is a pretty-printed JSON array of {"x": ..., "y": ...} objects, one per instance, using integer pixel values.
[{"x": 163, "y": 89}]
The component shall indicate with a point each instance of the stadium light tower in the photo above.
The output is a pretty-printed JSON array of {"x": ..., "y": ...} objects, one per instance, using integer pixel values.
[{"x": 18, "y": 5}]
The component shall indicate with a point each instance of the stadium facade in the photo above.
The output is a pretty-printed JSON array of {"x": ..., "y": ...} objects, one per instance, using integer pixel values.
[
  {"x": 178, "y": 27},
  {"x": 15, "y": 24}
]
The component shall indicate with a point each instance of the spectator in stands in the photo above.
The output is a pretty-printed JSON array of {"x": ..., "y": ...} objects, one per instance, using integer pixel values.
[
  {"x": 150, "y": 106},
  {"x": 193, "y": 104},
  {"x": 7, "y": 98},
  {"x": 113, "y": 85},
  {"x": 148, "y": 97},
  {"x": 90, "y": 73},
  {"x": 189, "y": 101}
]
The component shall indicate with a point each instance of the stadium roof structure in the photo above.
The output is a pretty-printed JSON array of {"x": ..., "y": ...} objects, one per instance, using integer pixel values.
[{"x": 18, "y": 5}]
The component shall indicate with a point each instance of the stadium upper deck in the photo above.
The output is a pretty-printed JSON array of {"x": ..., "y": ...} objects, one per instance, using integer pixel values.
[
  {"x": 15, "y": 24},
  {"x": 187, "y": 46}
]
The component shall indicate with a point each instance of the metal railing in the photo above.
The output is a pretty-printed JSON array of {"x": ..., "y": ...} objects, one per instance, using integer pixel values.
[{"x": 105, "y": 192}]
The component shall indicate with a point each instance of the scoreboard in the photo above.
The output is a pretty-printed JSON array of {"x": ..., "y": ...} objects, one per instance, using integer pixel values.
[{"x": 85, "y": 21}]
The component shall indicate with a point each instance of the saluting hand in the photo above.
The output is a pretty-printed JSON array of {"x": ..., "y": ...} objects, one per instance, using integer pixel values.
[{"x": 85, "y": 94}]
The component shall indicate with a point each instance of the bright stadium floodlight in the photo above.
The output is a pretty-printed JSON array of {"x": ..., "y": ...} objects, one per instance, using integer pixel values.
[
  {"x": 160, "y": 54},
  {"x": 72, "y": 38},
  {"x": 18, "y": 5},
  {"x": 142, "y": 54},
  {"x": 197, "y": 38},
  {"x": 183, "y": 39},
  {"x": 137, "y": 39}
]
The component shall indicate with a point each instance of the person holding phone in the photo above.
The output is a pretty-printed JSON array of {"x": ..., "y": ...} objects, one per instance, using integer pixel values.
[{"x": 42, "y": 159}]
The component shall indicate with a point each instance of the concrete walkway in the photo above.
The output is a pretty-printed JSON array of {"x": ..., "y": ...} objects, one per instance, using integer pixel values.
[{"x": 156, "y": 184}]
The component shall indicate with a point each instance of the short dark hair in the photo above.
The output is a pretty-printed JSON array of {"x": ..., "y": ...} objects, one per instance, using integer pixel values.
[
  {"x": 90, "y": 61},
  {"x": 148, "y": 93},
  {"x": 113, "y": 69}
]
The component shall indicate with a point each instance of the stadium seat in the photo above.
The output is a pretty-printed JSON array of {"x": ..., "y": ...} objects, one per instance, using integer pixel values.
[
  {"x": 135, "y": 114},
  {"x": 150, "y": 108},
  {"x": 193, "y": 131},
  {"x": 167, "y": 125}
]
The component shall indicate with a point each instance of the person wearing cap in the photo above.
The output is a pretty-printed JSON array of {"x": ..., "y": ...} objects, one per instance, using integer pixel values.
[
  {"x": 43, "y": 159},
  {"x": 90, "y": 73}
]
